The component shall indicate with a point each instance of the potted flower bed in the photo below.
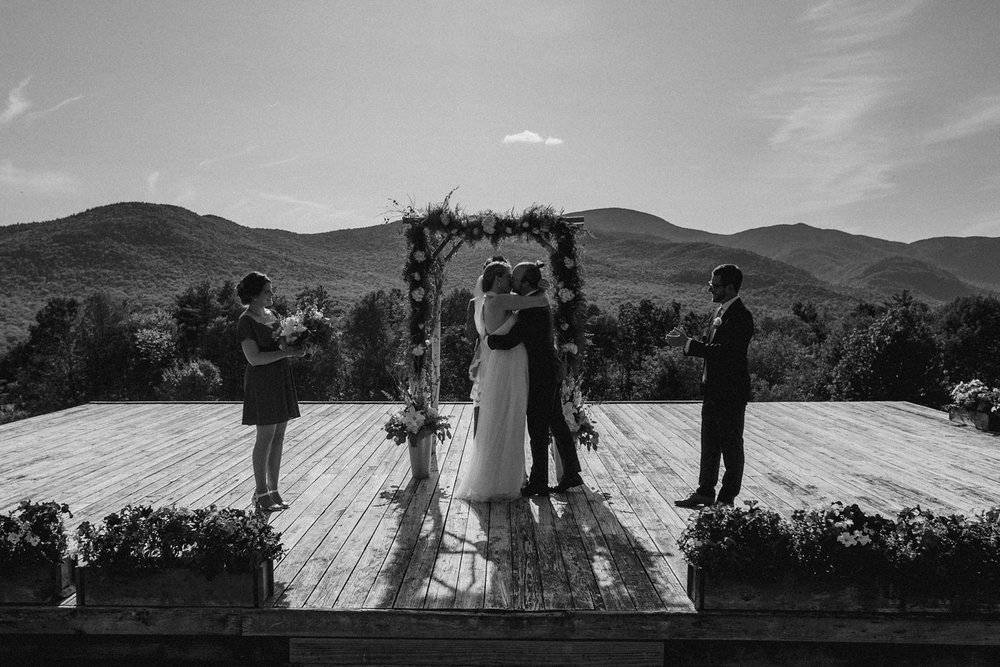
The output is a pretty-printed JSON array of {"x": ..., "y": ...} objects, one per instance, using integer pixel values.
[
  {"x": 840, "y": 558},
  {"x": 975, "y": 404},
  {"x": 173, "y": 556},
  {"x": 418, "y": 423},
  {"x": 34, "y": 565}
]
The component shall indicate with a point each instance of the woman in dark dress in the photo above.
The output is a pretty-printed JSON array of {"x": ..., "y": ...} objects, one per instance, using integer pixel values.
[{"x": 269, "y": 399}]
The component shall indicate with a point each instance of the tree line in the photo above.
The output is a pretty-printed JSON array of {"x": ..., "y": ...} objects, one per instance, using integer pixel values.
[{"x": 105, "y": 348}]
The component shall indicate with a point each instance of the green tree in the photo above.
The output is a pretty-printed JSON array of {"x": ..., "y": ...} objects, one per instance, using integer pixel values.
[
  {"x": 374, "y": 339},
  {"x": 456, "y": 349},
  {"x": 641, "y": 329},
  {"x": 44, "y": 372},
  {"x": 193, "y": 380},
  {"x": 600, "y": 376},
  {"x": 668, "y": 375},
  {"x": 104, "y": 342},
  {"x": 152, "y": 349},
  {"x": 969, "y": 331},
  {"x": 894, "y": 358},
  {"x": 320, "y": 376}
]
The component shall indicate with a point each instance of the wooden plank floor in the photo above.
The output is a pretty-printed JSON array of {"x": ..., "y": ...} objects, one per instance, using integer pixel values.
[{"x": 361, "y": 534}]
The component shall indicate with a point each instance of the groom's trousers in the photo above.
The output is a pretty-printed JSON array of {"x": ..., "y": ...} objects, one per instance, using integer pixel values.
[
  {"x": 544, "y": 416},
  {"x": 721, "y": 438}
]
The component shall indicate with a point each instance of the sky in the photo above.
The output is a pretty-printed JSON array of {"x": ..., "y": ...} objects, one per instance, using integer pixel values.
[{"x": 878, "y": 118}]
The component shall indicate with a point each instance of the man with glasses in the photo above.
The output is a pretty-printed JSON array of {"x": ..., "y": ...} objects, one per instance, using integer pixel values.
[{"x": 725, "y": 385}]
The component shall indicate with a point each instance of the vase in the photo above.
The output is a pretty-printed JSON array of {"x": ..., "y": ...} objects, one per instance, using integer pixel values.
[
  {"x": 175, "y": 586},
  {"x": 421, "y": 447},
  {"x": 44, "y": 583},
  {"x": 712, "y": 592},
  {"x": 984, "y": 421}
]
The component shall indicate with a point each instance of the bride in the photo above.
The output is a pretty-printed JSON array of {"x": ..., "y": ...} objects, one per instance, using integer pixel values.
[{"x": 494, "y": 464}]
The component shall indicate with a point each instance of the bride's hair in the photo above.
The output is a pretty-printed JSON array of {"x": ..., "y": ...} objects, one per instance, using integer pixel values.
[
  {"x": 495, "y": 258},
  {"x": 493, "y": 271}
]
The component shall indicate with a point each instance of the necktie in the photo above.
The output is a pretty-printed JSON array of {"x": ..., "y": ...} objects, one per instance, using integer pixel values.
[
  {"x": 711, "y": 335},
  {"x": 712, "y": 328}
]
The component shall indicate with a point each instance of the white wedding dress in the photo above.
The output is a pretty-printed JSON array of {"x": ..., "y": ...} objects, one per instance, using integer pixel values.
[{"x": 493, "y": 466}]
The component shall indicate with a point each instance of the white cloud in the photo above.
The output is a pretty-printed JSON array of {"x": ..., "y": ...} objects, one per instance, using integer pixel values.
[
  {"x": 17, "y": 103},
  {"x": 275, "y": 163},
  {"x": 853, "y": 22},
  {"x": 35, "y": 114},
  {"x": 40, "y": 182},
  {"x": 977, "y": 116},
  {"x": 529, "y": 137},
  {"x": 152, "y": 181},
  {"x": 831, "y": 145},
  {"x": 231, "y": 156},
  {"x": 285, "y": 199}
]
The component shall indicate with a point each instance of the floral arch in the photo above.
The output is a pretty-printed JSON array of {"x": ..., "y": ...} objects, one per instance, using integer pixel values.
[{"x": 434, "y": 234}]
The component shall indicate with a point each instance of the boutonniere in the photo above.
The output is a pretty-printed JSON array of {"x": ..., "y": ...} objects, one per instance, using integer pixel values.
[{"x": 717, "y": 322}]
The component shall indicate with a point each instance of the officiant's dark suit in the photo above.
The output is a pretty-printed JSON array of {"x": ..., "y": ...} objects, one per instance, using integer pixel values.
[
  {"x": 544, "y": 413},
  {"x": 725, "y": 388}
]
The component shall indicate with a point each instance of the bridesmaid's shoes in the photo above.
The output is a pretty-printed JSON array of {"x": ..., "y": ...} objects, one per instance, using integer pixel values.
[
  {"x": 276, "y": 497},
  {"x": 264, "y": 502}
]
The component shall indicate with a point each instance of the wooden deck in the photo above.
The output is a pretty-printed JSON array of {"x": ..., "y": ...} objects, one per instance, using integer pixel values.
[{"x": 368, "y": 546}]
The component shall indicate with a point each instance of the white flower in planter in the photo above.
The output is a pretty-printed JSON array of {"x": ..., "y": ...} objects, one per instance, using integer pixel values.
[
  {"x": 418, "y": 294},
  {"x": 489, "y": 224},
  {"x": 419, "y": 255},
  {"x": 566, "y": 295}
]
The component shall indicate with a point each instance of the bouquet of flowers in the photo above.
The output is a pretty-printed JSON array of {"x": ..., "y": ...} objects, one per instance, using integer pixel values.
[
  {"x": 417, "y": 418},
  {"x": 210, "y": 538},
  {"x": 304, "y": 327},
  {"x": 976, "y": 396},
  {"x": 576, "y": 413},
  {"x": 33, "y": 533}
]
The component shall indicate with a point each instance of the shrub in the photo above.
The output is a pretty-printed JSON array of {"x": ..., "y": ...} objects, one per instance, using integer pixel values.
[
  {"x": 33, "y": 533},
  {"x": 736, "y": 541},
  {"x": 210, "y": 539},
  {"x": 194, "y": 380}
]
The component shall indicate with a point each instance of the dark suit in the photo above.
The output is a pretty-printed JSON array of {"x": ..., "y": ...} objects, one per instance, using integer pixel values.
[
  {"x": 726, "y": 390},
  {"x": 534, "y": 329}
]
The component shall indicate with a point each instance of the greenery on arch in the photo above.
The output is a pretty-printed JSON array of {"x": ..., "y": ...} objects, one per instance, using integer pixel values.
[{"x": 436, "y": 232}]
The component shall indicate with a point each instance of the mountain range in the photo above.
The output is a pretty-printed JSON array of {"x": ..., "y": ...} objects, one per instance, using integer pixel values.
[{"x": 148, "y": 253}]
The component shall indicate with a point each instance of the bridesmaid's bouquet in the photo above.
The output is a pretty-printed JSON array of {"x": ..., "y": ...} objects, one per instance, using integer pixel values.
[{"x": 304, "y": 327}]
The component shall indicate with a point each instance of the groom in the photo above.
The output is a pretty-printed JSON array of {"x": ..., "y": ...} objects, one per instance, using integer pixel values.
[{"x": 534, "y": 329}]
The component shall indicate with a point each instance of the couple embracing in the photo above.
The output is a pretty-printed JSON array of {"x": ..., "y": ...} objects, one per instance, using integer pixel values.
[{"x": 518, "y": 382}]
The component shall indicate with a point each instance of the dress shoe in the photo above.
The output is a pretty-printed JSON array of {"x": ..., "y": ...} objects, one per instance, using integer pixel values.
[
  {"x": 694, "y": 500},
  {"x": 534, "y": 490},
  {"x": 567, "y": 483}
]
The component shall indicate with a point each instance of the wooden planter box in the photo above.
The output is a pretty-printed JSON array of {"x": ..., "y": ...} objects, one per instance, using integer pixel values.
[
  {"x": 713, "y": 593},
  {"x": 984, "y": 421},
  {"x": 37, "y": 584},
  {"x": 174, "y": 587}
]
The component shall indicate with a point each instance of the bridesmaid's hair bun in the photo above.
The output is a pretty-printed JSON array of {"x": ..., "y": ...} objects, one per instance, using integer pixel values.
[{"x": 251, "y": 285}]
